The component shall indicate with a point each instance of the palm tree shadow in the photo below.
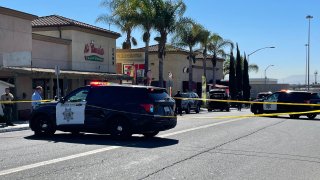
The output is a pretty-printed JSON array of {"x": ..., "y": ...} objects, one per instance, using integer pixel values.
[{"x": 96, "y": 139}]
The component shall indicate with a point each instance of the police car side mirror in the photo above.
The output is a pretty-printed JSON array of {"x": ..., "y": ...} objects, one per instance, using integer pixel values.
[{"x": 62, "y": 100}]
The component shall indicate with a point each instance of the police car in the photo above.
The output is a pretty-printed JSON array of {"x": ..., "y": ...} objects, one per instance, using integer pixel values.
[
  {"x": 288, "y": 96},
  {"x": 119, "y": 110}
]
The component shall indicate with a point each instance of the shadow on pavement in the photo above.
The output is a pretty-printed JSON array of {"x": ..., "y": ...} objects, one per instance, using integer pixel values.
[{"x": 97, "y": 139}]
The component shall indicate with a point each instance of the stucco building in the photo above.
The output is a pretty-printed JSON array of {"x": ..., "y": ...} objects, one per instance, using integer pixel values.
[
  {"x": 175, "y": 63},
  {"x": 31, "y": 47}
]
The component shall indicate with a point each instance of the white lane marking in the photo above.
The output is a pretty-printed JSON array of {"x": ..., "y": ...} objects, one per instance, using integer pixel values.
[
  {"x": 200, "y": 127},
  {"x": 44, "y": 163}
]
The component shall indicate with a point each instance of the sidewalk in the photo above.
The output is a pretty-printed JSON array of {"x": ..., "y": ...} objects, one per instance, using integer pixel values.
[{"x": 19, "y": 126}]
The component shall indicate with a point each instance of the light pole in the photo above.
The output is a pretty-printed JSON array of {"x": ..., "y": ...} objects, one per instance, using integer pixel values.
[
  {"x": 258, "y": 50},
  {"x": 306, "y": 78},
  {"x": 265, "y": 76},
  {"x": 309, "y": 17}
]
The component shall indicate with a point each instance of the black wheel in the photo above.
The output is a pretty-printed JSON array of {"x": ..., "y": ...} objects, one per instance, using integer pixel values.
[
  {"x": 44, "y": 126},
  {"x": 150, "y": 134},
  {"x": 258, "y": 111},
  {"x": 198, "y": 109},
  {"x": 294, "y": 116},
  {"x": 311, "y": 116},
  {"x": 209, "y": 110},
  {"x": 120, "y": 128},
  {"x": 188, "y": 109},
  {"x": 228, "y": 109}
]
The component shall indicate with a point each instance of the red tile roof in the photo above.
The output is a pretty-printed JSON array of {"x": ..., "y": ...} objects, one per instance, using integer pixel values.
[{"x": 56, "y": 21}]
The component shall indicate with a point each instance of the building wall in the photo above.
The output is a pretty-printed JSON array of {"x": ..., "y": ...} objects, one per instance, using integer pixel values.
[
  {"x": 175, "y": 62},
  {"x": 16, "y": 41},
  {"x": 79, "y": 40},
  {"x": 23, "y": 85},
  {"x": 256, "y": 88},
  {"x": 44, "y": 55}
]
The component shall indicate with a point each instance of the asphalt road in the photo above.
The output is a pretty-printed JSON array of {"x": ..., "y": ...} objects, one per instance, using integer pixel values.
[{"x": 216, "y": 145}]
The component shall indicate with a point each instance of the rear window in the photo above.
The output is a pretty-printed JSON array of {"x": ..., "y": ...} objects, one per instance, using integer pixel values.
[
  {"x": 297, "y": 96},
  {"x": 158, "y": 94}
]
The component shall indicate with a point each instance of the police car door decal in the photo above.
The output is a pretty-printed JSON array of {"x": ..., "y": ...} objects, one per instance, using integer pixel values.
[
  {"x": 70, "y": 113},
  {"x": 271, "y": 107},
  {"x": 72, "y": 109}
]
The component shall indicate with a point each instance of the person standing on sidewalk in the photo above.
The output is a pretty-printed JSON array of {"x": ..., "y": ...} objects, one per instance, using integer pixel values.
[
  {"x": 36, "y": 97},
  {"x": 7, "y": 106}
]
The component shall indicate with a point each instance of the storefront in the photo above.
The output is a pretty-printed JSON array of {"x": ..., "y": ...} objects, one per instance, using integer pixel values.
[
  {"x": 175, "y": 67},
  {"x": 33, "y": 47}
]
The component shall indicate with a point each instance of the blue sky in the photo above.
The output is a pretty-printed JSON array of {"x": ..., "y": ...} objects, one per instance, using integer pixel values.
[{"x": 250, "y": 23}]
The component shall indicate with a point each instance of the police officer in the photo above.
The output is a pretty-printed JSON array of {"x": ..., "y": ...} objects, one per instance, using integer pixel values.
[
  {"x": 178, "y": 103},
  {"x": 7, "y": 106}
]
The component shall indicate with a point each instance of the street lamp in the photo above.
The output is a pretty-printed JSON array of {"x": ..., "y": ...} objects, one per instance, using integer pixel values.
[
  {"x": 309, "y": 17},
  {"x": 265, "y": 76},
  {"x": 306, "y": 78},
  {"x": 258, "y": 50}
]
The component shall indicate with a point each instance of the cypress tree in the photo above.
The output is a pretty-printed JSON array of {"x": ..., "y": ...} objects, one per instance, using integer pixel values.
[
  {"x": 232, "y": 77},
  {"x": 246, "y": 83},
  {"x": 238, "y": 72}
]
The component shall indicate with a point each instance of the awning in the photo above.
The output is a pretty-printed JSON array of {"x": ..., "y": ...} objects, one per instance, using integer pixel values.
[{"x": 71, "y": 74}]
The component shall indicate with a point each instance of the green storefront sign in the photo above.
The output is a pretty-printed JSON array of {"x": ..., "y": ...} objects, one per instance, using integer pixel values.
[{"x": 93, "y": 58}]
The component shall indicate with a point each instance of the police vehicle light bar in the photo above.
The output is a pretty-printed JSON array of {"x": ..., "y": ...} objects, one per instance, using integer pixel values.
[{"x": 97, "y": 83}]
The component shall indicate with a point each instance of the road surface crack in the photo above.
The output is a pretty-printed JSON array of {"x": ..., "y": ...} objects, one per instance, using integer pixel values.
[{"x": 208, "y": 150}]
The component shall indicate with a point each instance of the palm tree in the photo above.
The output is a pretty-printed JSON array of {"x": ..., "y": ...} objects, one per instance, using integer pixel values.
[
  {"x": 121, "y": 10},
  {"x": 187, "y": 34},
  {"x": 167, "y": 13},
  {"x": 144, "y": 17},
  {"x": 204, "y": 41},
  {"x": 217, "y": 46}
]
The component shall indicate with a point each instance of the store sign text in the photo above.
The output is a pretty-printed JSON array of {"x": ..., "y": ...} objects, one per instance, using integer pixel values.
[{"x": 92, "y": 53}]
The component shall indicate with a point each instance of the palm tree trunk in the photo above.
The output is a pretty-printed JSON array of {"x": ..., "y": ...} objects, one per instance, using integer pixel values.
[
  {"x": 214, "y": 63},
  {"x": 190, "y": 70},
  {"x": 128, "y": 40},
  {"x": 146, "y": 60},
  {"x": 161, "y": 71},
  {"x": 161, "y": 56},
  {"x": 205, "y": 66}
]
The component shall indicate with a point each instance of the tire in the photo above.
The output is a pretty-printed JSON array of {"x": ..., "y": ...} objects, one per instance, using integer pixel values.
[
  {"x": 120, "y": 128},
  {"x": 311, "y": 116},
  {"x": 198, "y": 109},
  {"x": 228, "y": 109},
  {"x": 209, "y": 110},
  {"x": 294, "y": 116},
  {"x": 150, "y": 134},
  {"x": 44, "y": 126},
  {"x": 188, "y": 109},
  {"x": 258, "y": 111}
]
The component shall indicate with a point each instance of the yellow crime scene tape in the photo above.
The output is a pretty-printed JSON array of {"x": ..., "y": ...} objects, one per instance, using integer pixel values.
[
  {"x": 255, "y": 102},
  {"x": 19, "y": 101},
  {"x": 203, "y": 99}
]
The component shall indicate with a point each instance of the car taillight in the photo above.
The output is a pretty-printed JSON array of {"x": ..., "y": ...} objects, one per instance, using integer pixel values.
[{"x": 147, "y": 107}]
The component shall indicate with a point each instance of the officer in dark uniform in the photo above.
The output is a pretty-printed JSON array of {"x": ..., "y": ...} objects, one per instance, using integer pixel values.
[{"x": 178, "y": 103}]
